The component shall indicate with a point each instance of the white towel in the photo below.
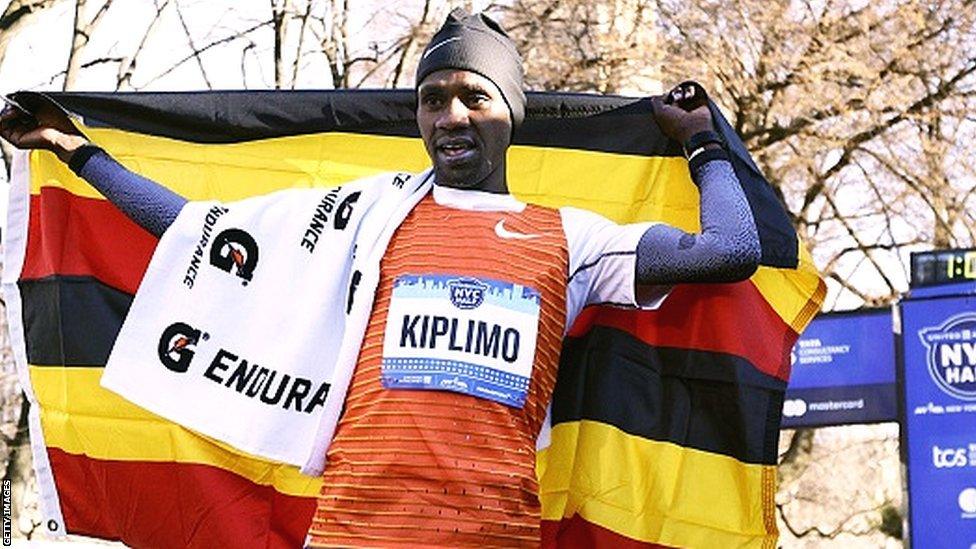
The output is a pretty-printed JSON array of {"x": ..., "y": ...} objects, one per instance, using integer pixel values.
[{"x": 248, "y": 323}]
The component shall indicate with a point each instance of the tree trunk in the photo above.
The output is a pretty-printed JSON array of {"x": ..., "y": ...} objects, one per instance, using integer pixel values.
[
  {"x": 78, "y": 40},
  {"x": 279, "y": 16}
]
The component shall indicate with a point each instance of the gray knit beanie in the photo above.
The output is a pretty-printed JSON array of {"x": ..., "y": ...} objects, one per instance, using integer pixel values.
[{"x": 478, "y": 44}]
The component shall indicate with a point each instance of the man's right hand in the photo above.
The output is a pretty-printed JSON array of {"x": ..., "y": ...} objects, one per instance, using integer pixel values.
[{"x": 49, "y": 129}]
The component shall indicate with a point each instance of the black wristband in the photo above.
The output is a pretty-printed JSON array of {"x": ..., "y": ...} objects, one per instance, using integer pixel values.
[
  {"x": 81, "y": 155},
  {"x": 706, "y": 155},
  {"x": 701, "y": 139}
]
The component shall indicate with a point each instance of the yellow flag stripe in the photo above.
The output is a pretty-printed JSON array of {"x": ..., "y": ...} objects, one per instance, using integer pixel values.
[
  {"x": 652, "y": 491},
  {"x": 795, "y": 294},
  {"x": 553, "y": 177},
  {"x": 80, "y": 417}
]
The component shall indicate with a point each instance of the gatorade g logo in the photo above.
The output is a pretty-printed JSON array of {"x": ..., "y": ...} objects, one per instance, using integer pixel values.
[
  {"x": 177, "y": 346},
  {"x": 235, "y": 252},
  {"x": 344, "y": 211},
  {"x": 951, "y": 355}
]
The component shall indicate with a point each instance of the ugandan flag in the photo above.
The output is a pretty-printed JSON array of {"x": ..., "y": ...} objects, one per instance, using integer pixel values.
[{"x": 665, "y": 423}]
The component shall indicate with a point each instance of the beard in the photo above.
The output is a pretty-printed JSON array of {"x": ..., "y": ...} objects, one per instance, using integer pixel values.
[{"x": 463, "y": 176}]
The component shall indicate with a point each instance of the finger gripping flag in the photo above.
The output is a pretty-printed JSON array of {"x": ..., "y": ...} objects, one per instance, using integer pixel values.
[{"x": 664, "y": 425}]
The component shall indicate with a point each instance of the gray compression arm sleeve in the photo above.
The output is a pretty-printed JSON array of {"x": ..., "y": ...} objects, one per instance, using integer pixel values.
[
  {"x": 726, "y": 250},
  {"x": 144, "y": 201}
]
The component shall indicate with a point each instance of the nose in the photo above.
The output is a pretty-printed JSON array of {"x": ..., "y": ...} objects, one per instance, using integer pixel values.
[{"x": 454, "y": 115}]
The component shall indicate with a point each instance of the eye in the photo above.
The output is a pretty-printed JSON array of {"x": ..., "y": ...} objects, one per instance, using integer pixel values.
[
  {"x": 431, "y": 100},
  {"x": 477, "y": 99}
]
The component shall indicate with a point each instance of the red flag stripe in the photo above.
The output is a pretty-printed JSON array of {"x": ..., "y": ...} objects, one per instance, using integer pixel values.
[
  {"x": 725, "y": 318},
  {"x": 169, "y": 504},
  {"x": 577, "y": 533},
  {"x": 72, "y": 235}
]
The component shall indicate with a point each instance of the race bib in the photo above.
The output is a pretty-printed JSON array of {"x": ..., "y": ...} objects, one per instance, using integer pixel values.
[{"x": 468, "y": 335}]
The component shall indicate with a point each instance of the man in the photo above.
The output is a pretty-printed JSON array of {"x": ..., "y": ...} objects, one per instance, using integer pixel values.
[{"x": 414, "y": 464}]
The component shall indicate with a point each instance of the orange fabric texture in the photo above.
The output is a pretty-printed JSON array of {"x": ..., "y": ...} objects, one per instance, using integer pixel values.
[{"x": 418, "y": 467}]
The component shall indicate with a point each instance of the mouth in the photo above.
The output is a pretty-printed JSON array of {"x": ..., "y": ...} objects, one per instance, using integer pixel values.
[{"x": 456, "y": 150}]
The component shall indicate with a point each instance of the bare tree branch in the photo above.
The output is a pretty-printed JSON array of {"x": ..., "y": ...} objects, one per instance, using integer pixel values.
[
  {"x": 196, "y": 53},
  {"x": 301, "y": 42},
  {"x": 842, "y": 528},
  {"x": 249, "y": 48},
  {"x": 280, "y": 10},
  {"x": 193, "y": 48},
  {"x": 19, "y": 15},
  {"x": 408, "y": 47},
  {"x": 128, "y": 64},
  {"x": 81, "y": 35},
  {"x": 87, "y": 65}
]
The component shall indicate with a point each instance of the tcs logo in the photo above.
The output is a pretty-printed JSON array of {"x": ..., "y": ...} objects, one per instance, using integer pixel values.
[{"x": 944, "y": 458}]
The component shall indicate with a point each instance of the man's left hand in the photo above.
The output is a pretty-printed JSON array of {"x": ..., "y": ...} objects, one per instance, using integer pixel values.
[{"x": 677, "y": 123}]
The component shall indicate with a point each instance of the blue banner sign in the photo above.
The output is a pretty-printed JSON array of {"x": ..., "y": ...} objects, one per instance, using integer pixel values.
[
  {"x": 939, "y": 338},
  {"x": 843, "y": 371}
]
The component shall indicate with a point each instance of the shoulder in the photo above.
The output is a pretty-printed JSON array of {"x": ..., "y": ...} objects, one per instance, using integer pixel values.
[{"x": 578, "y": 218}]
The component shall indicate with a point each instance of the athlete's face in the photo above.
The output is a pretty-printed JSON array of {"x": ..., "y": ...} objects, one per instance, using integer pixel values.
[{"x": 466, "y": 127}]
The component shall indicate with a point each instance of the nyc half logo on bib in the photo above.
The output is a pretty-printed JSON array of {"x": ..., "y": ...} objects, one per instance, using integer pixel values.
[{"x": 456, "y": 333}]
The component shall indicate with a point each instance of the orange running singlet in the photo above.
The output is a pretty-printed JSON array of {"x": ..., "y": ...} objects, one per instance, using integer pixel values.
[{"x": 418, "y": 468}]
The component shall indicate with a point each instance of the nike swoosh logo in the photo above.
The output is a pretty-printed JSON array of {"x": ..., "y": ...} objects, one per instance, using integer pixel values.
[
  {"x": 502, "y": 232},
  {"x": 431, "y": 49}
]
